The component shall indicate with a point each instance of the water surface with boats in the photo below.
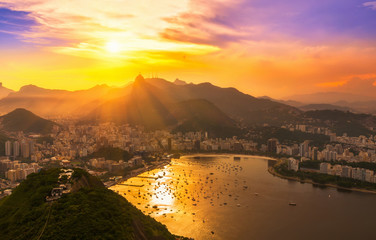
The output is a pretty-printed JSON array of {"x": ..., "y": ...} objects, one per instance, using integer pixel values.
[{"x": 235, "y": 197}]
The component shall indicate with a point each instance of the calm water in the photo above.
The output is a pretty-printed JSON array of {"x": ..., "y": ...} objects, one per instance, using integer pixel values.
[{"x": 239, "y": 199}]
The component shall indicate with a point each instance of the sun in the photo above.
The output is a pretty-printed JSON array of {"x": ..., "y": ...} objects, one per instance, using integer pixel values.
[{"x": 113, "y": 47}]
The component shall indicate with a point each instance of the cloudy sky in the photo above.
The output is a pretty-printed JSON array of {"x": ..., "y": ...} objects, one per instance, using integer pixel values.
[{"x": 262, "y": 47}]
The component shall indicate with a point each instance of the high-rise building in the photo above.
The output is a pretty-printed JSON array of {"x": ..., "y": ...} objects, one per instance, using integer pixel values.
[
  {"x": 325, "y": 168},
  {"x": 31, "y": 147},
  {"x": 197, "y": 145},
  {"x": 169, "y": 144},
  {"x": 315, "y": 153},
  {"x": 304, "y": 149},
  {"x": 272, "y": 145},
  {"x": 16, "y": 149},
  {"x": 25, "y": 149},
  {"x": 8, "y": 148}
]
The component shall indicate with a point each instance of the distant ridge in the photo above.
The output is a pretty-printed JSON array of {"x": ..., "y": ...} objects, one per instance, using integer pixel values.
[
  {"x": 330, "y": 97},
  {"x": 52, "y": 102},
  {"x": 4, "y": 91}
]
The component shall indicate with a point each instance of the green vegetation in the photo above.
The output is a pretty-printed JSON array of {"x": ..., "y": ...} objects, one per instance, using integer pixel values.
[
  {"x": 316, "y": 164},
  {"x": 90, "y": 211},
  {"x": 23, "y": 120},
  {"x": 285, "y": 136},
  {"x": 202, "y": 115},
  {"x": 319, "y": 178},
  {"x": 45, "y": 139},
  {"x": 111, "y": 153},
  {"x": 312, "y": 164},
  {"x": 344, "y": 122},
  {"x": 366, "y": 165}
]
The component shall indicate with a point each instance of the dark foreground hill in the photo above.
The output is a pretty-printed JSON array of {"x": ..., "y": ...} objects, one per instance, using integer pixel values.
[
  {"x": 90, "y": 211},
  {"x": 26, "y": 121}
]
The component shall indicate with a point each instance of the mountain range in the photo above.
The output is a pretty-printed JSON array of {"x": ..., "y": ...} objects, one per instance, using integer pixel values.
[
  {"x": 159, "y": 104},
  {"x": 155, "y": 103},
  {"x": 327, "y": 100},
  {"x": 53, "y": 103}
]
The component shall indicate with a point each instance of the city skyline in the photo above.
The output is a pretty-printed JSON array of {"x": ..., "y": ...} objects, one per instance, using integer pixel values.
[{"x": 274, "y": 48}]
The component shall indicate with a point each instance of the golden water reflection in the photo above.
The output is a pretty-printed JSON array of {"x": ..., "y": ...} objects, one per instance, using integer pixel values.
[{"x": 177, "y": 193}]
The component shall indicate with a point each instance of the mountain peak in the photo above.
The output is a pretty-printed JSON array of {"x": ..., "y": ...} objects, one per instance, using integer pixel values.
[
  {"x": 20, "y": 110},
  {"x": 179, "y": 82},
  {"x": 31, "y": 89},
  {"x": 21, "y": 119},
  {"x": 139, "y": 78}
]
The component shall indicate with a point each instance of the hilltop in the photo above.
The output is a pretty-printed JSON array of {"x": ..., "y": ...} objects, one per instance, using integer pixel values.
[
  {"x": 154, "y": 107},
  {"x": 90, "y": 211},
  {"x": 23, "y": 120}
]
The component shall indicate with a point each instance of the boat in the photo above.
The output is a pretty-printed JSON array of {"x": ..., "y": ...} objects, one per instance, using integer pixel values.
[{"x": 292, "y": 204}]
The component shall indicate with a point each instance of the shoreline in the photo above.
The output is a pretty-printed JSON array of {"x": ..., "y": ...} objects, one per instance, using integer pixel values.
[
  {"x": 274, "y": 173},
  {"x": 144, "y": 170},
  {"x": 165, "y": 163},
  {"x": 229, "y": 154},
  {"x": 270, "y": 170}
]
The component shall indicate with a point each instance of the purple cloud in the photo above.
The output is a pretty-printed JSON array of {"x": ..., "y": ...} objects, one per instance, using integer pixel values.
[{"x": 371, "y": 5}]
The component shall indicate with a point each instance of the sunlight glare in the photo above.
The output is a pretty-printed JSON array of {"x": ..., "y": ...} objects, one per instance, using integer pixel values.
[{"x": 113, "y": 47}]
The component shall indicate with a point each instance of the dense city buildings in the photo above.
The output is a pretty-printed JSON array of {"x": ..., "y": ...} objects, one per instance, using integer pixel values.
[{"x": 73, "y": 144}]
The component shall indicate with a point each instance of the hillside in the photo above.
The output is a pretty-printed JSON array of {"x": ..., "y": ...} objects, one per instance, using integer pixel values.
[
  {"x": 344, "y": 122},
  {"x": 90, "y": 211},
  {"x": 152, "y": 107},
  {"x": 242, "y": 107},
  {"x": 202, "y": 115},
  {"x": 26, "y": 121}
]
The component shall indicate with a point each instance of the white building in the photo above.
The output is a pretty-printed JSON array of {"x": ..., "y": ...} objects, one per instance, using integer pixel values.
[{"x": 293, "y": 164}]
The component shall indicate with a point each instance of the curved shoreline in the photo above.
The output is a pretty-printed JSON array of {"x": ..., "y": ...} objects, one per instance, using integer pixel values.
[{"x": 274, "y": 173}]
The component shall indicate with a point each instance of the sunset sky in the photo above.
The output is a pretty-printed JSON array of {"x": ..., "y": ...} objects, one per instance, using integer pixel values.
[{"x": 262, "y": 47}]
